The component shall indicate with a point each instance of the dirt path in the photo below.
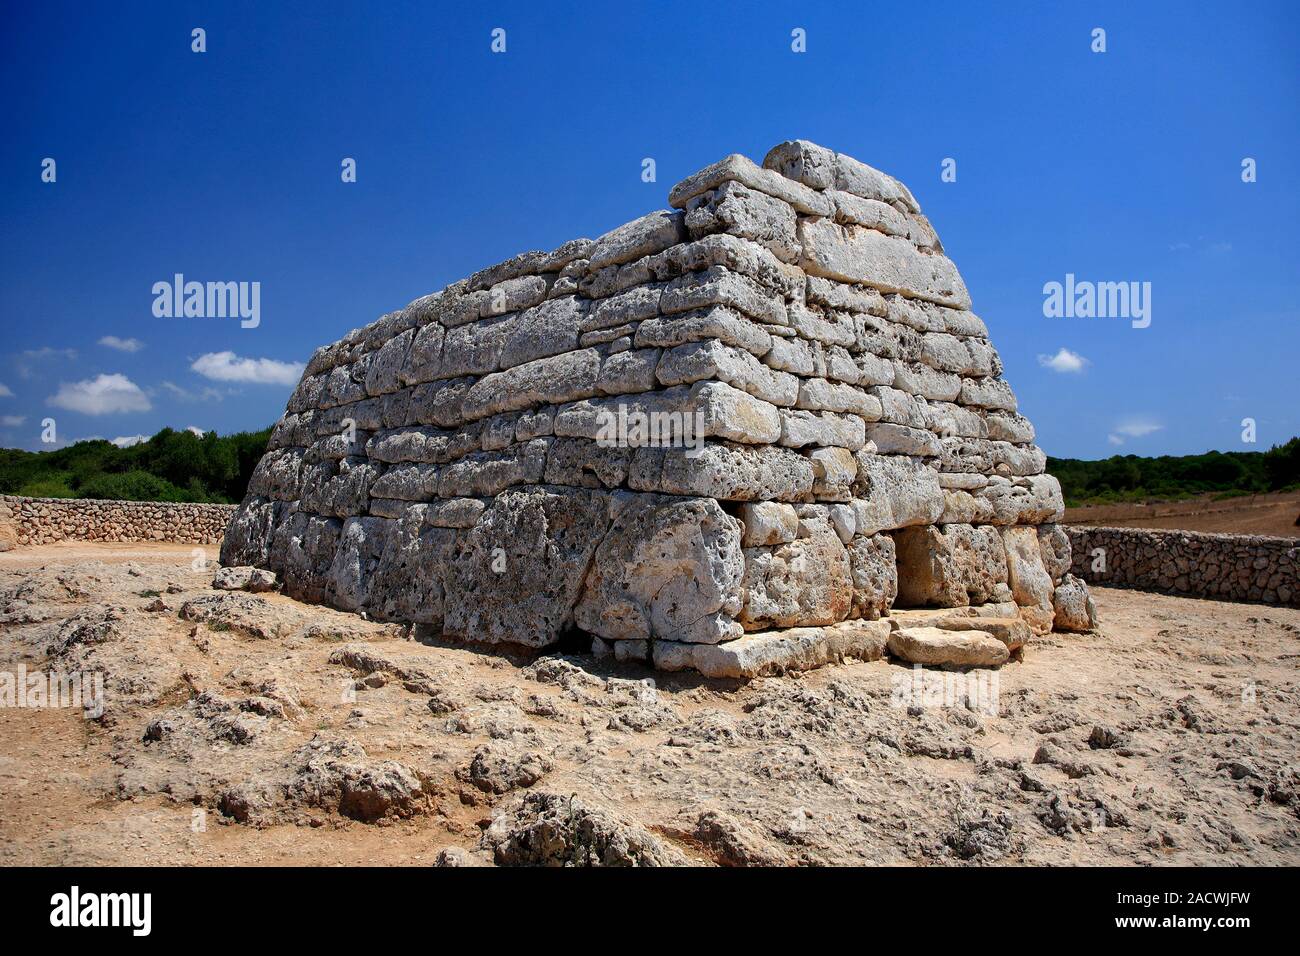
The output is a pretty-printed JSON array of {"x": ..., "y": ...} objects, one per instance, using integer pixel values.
[
  {"x": 1274, "y": 514},
  {"x": 234, "y": 732}
]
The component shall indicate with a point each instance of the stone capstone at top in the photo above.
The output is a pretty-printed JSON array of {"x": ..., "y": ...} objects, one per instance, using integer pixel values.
[{"x": 727, "y": 436}]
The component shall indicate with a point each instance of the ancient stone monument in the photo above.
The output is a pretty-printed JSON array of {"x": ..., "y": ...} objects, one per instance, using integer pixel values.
[{"x": 730, "y": 436}]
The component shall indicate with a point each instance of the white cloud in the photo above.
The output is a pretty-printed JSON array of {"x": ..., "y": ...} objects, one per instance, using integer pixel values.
[
  {"x": 1133, "y": 428},
  {"x": 122, "y": 345},
  {"x": 205, "y": 394},
  {"x": 196, "y": 430},
  {"x": 1138, "y": 427},
  {"x": 102, "y": 395},
  {"x": 12, "y": 421},
  {"x": 4, "y": 391},
  {"x": 126, "y": 441},
  {"x": 229, "y": 367},
  {"x": 1064, "y": 361}
]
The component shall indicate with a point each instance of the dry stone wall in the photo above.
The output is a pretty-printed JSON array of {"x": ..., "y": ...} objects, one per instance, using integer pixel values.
[
  {"x": 742, "y": 414},
  {"x": 1225, "y": 567},
  {"x": 30, "y": 521}
]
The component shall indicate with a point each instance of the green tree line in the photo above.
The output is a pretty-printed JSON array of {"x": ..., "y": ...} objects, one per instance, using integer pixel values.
[
  {"x": 1125, "y": 478},
  {"x": 170, "y": 466}
]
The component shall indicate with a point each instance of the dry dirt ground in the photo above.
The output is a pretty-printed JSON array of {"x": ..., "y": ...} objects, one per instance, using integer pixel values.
[
  {"x": 1273, "y": 514},
  {"x": 251, "y": 729}
]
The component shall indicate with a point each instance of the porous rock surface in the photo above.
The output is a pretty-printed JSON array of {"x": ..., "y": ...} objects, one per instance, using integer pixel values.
[{"x": 708, "y": 439}]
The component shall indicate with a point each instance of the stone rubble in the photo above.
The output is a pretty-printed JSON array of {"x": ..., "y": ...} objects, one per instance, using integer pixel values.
[{"x": 726, "y": 436}]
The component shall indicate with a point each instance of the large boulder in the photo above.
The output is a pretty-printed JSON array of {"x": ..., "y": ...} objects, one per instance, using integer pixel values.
[
  {"x": 669, "y": 568},
  {"x": 1072, "y": 605},
  {"x": 803, "y": 583},
  {"x": 520, "y": 573}
]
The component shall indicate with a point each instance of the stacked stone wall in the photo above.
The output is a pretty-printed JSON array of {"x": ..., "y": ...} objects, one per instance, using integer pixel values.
[
  {"x": 1225, "y": 567},
  {"x": 489, "y": 460},
  {"x": 32, "y": 521}
]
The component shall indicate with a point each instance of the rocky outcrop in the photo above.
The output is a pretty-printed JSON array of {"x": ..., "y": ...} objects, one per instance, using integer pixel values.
[{"x": 725, "y": 436}]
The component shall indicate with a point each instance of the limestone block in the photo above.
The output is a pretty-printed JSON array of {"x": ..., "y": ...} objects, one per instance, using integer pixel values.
[
  {"x": 725, "y": 472},
  {"x": 931, "y": 645},
  {"x": 790, "y": 355},
  {"x": 1073, "y": 609},
  {"x": 550, "y": 328},
  {"x": 1011, "y": 631},
  {"x": 362, "y": 541},
  {"x": 805, "y": 582},
  {"x": 736, "y": 209},
  {"x": 887, "y": 263},
  {"x": 952, "y": 566},
  {"x": 718, "y": 323},
  {"x": 630, "y": 306},
  {"x": 718, "y": 285},
  {"x": 625, "y": 373},
  {"x": 548, "y": 381},
  {"x": 988, "y": 393},
  {"x": 817, "y": 394},
  {"x": 767, "y": 523},
  {"x": 834, "y": 470},
  {"x": 484, "y": 474},
  {"x": 874, "y": 571},
  {"x": 1031, "y": 585},
  {"x": 521, "y": 572},
  {"x": 383, "y": 376},
  {"x": 1054, "y": 546},
  {"x": 669, "y": 568},
  {"x": 651, "y": 233},
  {"x": 822, "y": 168},
  {"x": 1008, "y": 426},
  {"x": 578, "y": 463},
  {"x": 697, "y": 361},
  {"x": 903, "y": 440},
  {"x": 892, "y": 491},
  {"x": 925, "y": 382},
  {"x": 741, "y": 169},
  {"x": 802, "y": 428},
  {"x": 776, "y": 652}
]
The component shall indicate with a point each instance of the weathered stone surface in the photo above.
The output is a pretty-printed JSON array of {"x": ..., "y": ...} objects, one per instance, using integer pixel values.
[
  {"x": 1031, "y": 585},
  {"x": 1011, "y": 631},
  {"x": 768, "y": 523},
  {"x": 243, "y": 579},
  {"x": 670, "y": 568},
  {"x": 796, "y": 649},
  {"x": 950, "y": 566},
  {"x": 854, "y": 254},
  {"x": 805, "y": 582},
  {"x": 891, "y": 491},
  {"x": 1073, "y": 609},
  {"x": 520, "y": 574},
  {"x": 768, "y": 407},
  {"x": 874, "y": 568},
  {"x": 931, "y": 645}
]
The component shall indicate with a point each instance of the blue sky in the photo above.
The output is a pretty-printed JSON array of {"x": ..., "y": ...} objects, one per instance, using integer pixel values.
[{"x": 1115, "y": 166}]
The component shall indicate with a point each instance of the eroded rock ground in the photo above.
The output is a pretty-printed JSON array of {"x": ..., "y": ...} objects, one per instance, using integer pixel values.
[{"x": 249, "y": 728}]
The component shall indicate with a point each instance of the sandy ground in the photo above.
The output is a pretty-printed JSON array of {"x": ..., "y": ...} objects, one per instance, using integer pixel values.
[
  {"x": 1274, "y": 514},
  {"x": 233, "y": 732}
]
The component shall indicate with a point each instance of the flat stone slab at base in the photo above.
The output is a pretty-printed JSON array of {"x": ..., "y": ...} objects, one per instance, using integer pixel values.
[
  {"x": 773, "y": 652},
  {"x": 932, "y": 645},
  {"x": 1011, "y": 631}
]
